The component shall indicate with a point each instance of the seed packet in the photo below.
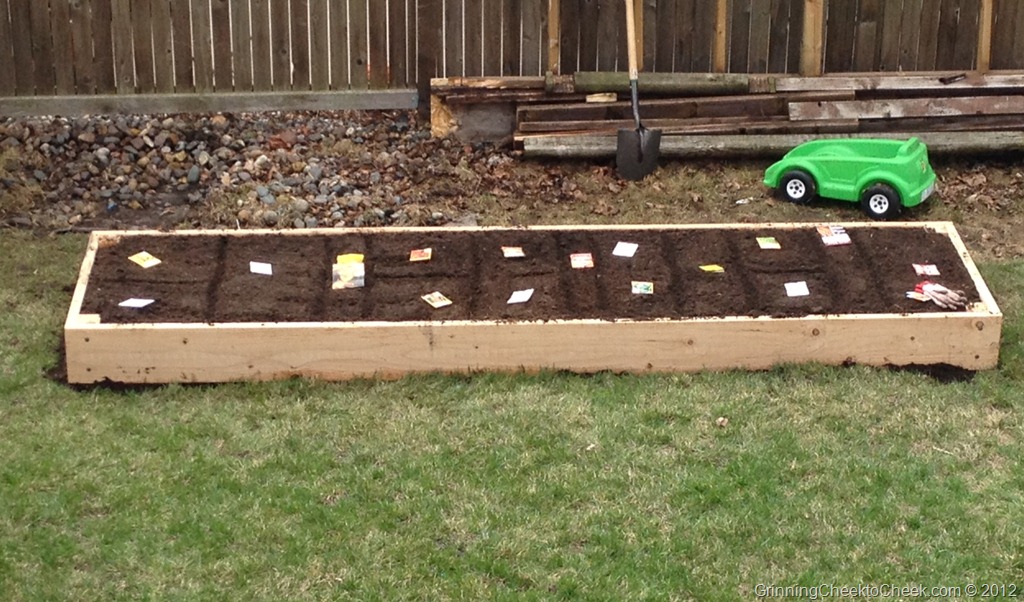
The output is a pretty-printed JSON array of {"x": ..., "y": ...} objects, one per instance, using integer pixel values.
[
  {"x": 512, "y": 252},
  {"x": 421, "y": 254},
  {"x": 714, "y": 268},
  {"x": 926, "y": 269},
  {"x": 642, "y": 288},
  {"x": 350, "y": 258},
  {"x": 436, "y": 299},
  {"x": 520, "y": 296},
  {"x": 833, "y": 236},
  {"x": 625, "y": 249},
  {"x": 134, "y": 303},
  {"x": 144, "y": 259},
  {"x": 349, "y": 271},
  {"x": 262, "y": 268},
  {"x": 580, "y": 261},
  {"x": 768, "y": 242},
  {"x": 797, "y": 289}
]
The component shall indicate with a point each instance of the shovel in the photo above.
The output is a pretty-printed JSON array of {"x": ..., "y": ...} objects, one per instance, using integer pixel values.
[{"x": 636, "y": 154}]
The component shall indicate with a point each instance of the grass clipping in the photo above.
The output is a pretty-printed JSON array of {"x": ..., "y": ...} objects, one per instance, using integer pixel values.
[{"x": 16, "y": 196}]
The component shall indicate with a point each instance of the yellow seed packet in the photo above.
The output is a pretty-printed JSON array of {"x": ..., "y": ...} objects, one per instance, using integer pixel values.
[
  {"x": 144, "y": 259},
  {"x": 350, "y": 258},
  {"x": 713, "y": 268}
]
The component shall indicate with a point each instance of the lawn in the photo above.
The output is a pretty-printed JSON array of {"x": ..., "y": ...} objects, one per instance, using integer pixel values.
[{"x": 532, "y": 487}]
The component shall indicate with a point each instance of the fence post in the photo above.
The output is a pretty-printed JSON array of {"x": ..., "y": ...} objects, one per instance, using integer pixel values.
[
  {"x": 985, "y": 36},
  {"x": 813, "y": 43},
  {"x": 554, "y": 37},
  {"x": 720, "y": 56}
]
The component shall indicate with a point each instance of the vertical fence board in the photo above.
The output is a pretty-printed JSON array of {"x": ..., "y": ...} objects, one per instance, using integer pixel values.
[
  {"x": 338, "y": 17},
  {"x": 142, "y": 45},
  {"x": 984, "y": 51},
  {"x": 910, "y": 34},
  {"x": 512, "y": 41},
  {"x": 262, "y": 53},
  {"x": 720, "y": 55},
  {"x": 428, "y": 48},
  {"x": 103, "y": 46},
  {"x": 928, "y": 43},
  {"x": 665, "y": 35},
  {"x": 473, "y": 43},
  {"x": 241, "y": 46},
  {"x": 945, "y": 35},
  {"x": 81, "y": 43},
  {"x": 535, "y": 31},
  {"x": 494, "y": 32},
  {"x": 1018, "y": 39},
  {"x": 453, "y": 53},
  {"x": 778, "y": 41},
  {"x": 202, "y": 45},
  {"x": 63, "y": 52},
  {"x": 649, "y": 10},
  {"x": 299, "y": 14},
  {"x": 398, "y": 45},
  {"x": 21, "y": 42},
  {"x": 968, "y": 30},
  {"x": 42, "y": 47},
  {"x": 840, "y": 34},
  {"x": 358, "y": 38},
  {"x": 684, "y": 30},
  {"x": 319, "y": 46},
  {"x": 739, "y": 35},
  {"x": 121, "y": 36},
  {"x": 181, "y": 37},
  {"x": 608, "y": 22},
  {"x": 163, "y": 47},
  {"x": 8, "y": 83},
  {"x": 760, "y": 36},
  {"x": 889, "y": 38},
  {"x": 703, "y": 32},
  {"x": 280, "y": 45},
  {"x": 378, "y": 39},
  {"x": 587, "y": 11},
  {"x": 812, "y": 38},
  {"x": 865, "y": 44},
  {"x": 1004, "y": 33},
  {"x": 220, "y": 23},
  {"x": 796, "y": 33}
]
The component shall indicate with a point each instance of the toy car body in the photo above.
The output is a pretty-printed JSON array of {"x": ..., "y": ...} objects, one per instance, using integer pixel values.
[{"x": 883, "y": 175}]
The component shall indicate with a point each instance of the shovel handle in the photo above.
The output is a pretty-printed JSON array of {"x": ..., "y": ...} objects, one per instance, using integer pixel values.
[{"x": 631, "y": 40}]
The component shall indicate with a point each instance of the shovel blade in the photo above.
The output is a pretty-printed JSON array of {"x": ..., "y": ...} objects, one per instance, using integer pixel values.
[{"x": 636, "y": 153}]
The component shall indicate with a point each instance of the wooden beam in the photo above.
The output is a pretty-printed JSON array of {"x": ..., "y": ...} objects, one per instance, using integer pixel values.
[
  {"x": 554, "y": 37},
  {"x": 812, "y": 47},
  {"x": 720, "y": 54},
  {"x": 907, "y": 107},
  {"x": 896, "y": 83},
  {"x": 690, "y": 84},
  {"x": 985, "y": 18},
  {"x": 31, "y": 106},
  {"x": 768, "y": 145}
]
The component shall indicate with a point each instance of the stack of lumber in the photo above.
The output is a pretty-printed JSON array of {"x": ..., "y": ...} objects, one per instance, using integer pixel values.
[{"x": 763, "y": 115}]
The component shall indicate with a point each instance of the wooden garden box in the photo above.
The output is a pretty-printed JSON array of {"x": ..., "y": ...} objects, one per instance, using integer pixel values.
[{"x": 99, "y": 350}]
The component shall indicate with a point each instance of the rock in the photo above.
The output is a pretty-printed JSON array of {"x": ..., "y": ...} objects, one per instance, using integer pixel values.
[
  {"x": 269, "y": 199},
  {"x": 300, "y": 205},
  {"x": 315, "y": 172},
  {"x": 311, "y": 222},
  {"x": 270, "y": 218},
  {"x": 193, "y": 175},
  {"x": 87, "y": 137},
  {"x": 298, "y": 223}
]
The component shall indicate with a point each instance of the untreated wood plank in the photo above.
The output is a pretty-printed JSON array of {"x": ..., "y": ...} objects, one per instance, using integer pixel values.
[
  {"x": 142, "y": 46},
  {"x": 42, "y": 47},
  {"x": 181, "y": 35},
  {"x": 984, "y": 50},
  {"x": 338, "y": 17},
  {"x": 202, "y": 45},
  {"x": 241, "y": 45},
  {"x": 610, "y": 20},
  {"x": 665, "y": 36},
  {"x": 813, "y": 38},
  {"x": 163, "y": 47},
  {"x": 866, "y": 47},
  {"x": 442, "y": 85},
  {"x": 534, "y": 36},
  {"x": 897, "y": 83},
  {"x": 946, "y": 34},
  {"x": 555, "y": 36},
  {"x": 106, "y": 104},
  {"x": 778, "y": 42},
  {"x": 280, "y": 45},
  {"x": 684, "y": 35},
  {"x": 890, "y": 36},
  {"x": 452, "y": 38},
  {"x": 928, "y": 36},
  {"x": 492, "y": 33},
  {"x": 760, "y": 36},
  {"x": 967, "y": 32},
  {"x": 377, "y": 15},
  {"x": 220, "y": 22},
  {"x": 320, "y": 46},
  {"x": 124, "y": 71},
  {"x": 358, "y": 45},
  {"x": 840, "y": 28},
  {"x": 707, "y": 125},
  {"x": 739, "y": 35},
  {"x": 588, "y": 35},
  {"x": 689, "y": 84},
  {"x": 1004, "y": 33},
  {"x": 400, "y": 40},
  {"x": 21, "y": 45},
  {"x": 63, "y": 51},
  {"x": 907, "y": 107},
  {"x": 262, "y": 51},
  {"x": 569, "y": 34},
  {"x": 103, "y": 46},
  {"x": 1018, "y": 40},
  {"x": 8, "y": 85},
  {"x": 299, "y": 12},
  {"x": 703, "y": 37},
  {"x": 720, "y": 55},
  {"x": 473, "y": 43},
  {"x": 796, "y": 36},
  {"x": 429, "y": 53}
]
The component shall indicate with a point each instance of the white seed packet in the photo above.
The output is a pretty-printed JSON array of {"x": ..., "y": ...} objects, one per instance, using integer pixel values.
[
  {"x": 262, "y": 268},
  {"x": 348, "y": 275},
  {"x": 768, "y": 242},
  {"x": 513, "y": 252},
  {"x": 642, "y": 288},
  {"x": 926, "y": 269},
  {"x": 144, "y": 259},
  {"x": 797, "y": 289},
  {"x": 134, "y": 303},
  {"x": 580, "y": 261},
  {"x": 520, "y": 296},
  {"x": 833, "y": 236},
  {"x": 436, "y": 299},
  {"x": 625, "y": 249},
  {"x": 421, "y": 254}
]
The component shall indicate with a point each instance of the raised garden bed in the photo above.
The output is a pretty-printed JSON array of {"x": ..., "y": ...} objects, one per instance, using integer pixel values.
[{"x": 213, "y": 319}]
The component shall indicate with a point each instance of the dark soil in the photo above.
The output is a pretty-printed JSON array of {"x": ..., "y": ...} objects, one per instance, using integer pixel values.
[{"x": 206, "y": 278}]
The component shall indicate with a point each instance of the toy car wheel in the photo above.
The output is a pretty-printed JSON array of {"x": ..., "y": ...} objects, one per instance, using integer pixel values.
[
  {"x": 797, "y": 187},
  {"x": 880, "y": 201}
]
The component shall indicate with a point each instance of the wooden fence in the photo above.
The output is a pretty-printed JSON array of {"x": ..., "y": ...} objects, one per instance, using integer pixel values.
[{"x": 74, "y": 48}]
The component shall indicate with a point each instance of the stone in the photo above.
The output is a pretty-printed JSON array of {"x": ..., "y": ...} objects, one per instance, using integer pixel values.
[
  {"x": 270, "y": 218},
  {"x": 193, "y": 175}
]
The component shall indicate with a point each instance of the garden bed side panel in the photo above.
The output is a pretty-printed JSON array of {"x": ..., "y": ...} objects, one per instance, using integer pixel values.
[{"x": 162, "y": 353}]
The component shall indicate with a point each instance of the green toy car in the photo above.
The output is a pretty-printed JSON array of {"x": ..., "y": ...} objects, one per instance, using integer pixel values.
[{"x": 883, "y": 175}]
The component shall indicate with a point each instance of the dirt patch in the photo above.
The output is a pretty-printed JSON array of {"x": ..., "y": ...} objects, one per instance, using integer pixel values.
[{"x": 207, "y": 278}]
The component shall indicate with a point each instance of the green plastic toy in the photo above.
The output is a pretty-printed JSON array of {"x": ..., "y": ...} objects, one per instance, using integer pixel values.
[{"x": 883, "y": 175}]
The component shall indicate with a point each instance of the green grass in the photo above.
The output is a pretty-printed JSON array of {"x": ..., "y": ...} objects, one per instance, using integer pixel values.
[{"x": 551, "y": 486}]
